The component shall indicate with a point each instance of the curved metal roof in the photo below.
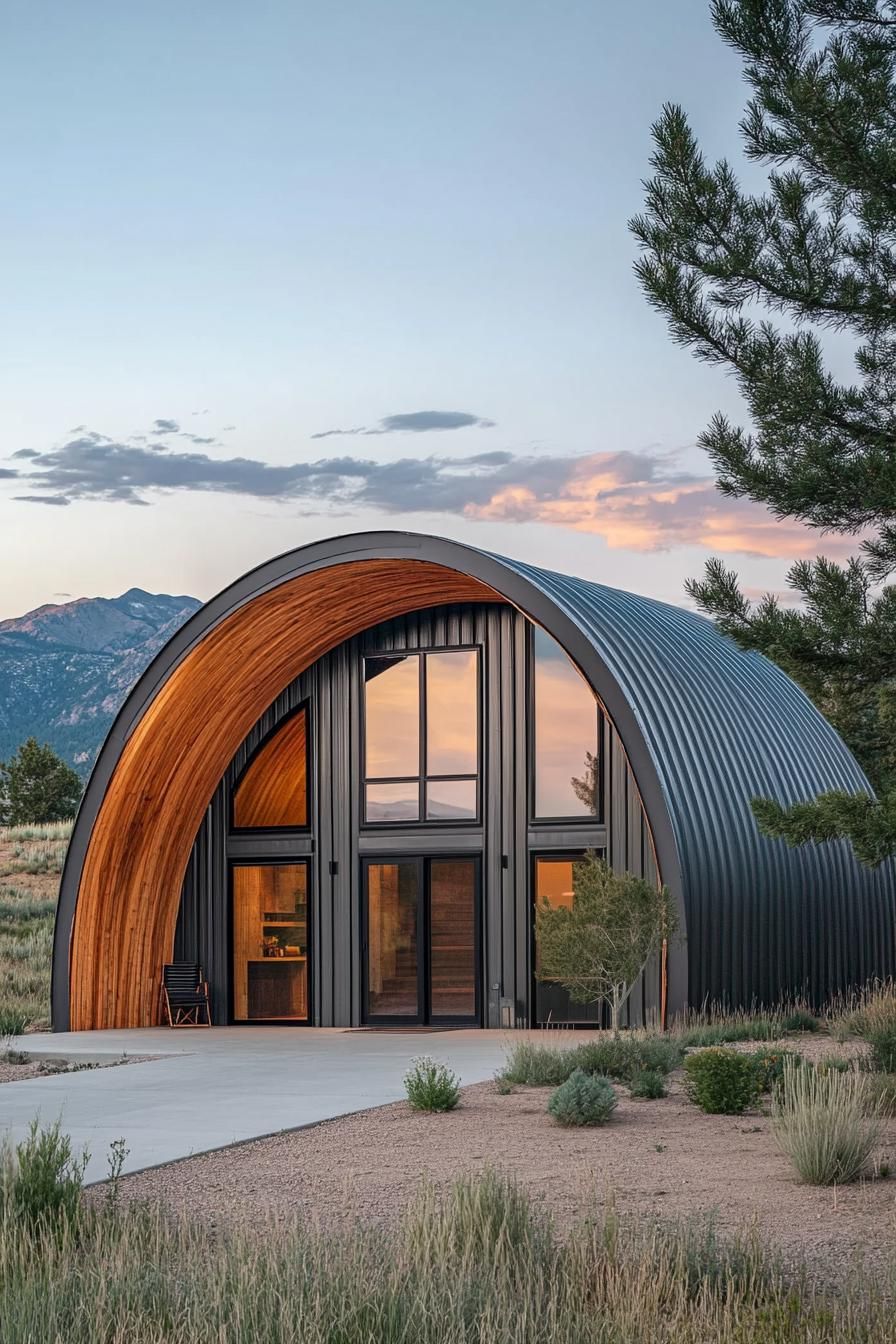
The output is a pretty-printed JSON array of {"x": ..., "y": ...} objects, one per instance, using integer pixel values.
[
  {"x": 706, "y": 727},
  {"x": 723, "y": 725}
]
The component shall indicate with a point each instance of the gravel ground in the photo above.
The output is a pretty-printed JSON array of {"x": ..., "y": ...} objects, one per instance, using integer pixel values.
[
  {"x": 42, "y": 1068},
  {"x": 656, "y": 1158}
]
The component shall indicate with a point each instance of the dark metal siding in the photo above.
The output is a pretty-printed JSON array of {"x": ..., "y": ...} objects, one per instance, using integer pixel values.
[
  {"x": 722, "y": 726},
  {"x": 332, "y": 689}
]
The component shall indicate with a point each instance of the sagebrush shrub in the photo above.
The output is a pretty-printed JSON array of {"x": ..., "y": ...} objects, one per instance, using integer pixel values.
[
  {"x": 721, "y": 1082},
  {"x": 583, "y": 1100},
  {"x": 823, "y": 1122},
  {"x": 649, "y": 1084},
  {"x": 42, "y": 1178},
  {"x": 431, "y": 1086},
  {"x": 613, "y": 1057},
  {"x": 624, "y": 1056},
  {"x": 531, "y": 1065}
]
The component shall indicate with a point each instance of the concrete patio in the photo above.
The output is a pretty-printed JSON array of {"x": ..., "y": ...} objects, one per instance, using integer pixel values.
[{"x": 209, "y": 1089}]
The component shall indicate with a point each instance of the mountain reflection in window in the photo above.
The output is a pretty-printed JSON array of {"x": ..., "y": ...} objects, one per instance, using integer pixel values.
[
  {"x": 567, "y": 760},
  {"x": 421, "y": 737}
]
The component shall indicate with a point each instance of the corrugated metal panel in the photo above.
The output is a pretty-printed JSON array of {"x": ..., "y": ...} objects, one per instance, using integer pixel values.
[{"x": 721, "y": 726}]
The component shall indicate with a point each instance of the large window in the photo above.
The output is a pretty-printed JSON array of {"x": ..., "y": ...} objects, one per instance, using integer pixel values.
[
  {"x": 567, "y": 760},
  {"x": 273, "y": 789},
  {"x": 421, "y": 737}
]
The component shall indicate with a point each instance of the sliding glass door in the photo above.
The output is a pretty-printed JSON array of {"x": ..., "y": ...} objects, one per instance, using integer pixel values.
[{"x": 421, "y": 941}]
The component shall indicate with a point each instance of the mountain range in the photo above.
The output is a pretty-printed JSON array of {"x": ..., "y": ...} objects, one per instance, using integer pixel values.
[{"x": 65, "y": 670}]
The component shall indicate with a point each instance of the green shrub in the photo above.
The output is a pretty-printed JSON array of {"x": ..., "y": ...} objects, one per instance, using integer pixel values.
[
  {"x": 660, "y": 1054},
  {"x": 13, "y": 1022},
  {"x": 721, "y": 1082},
  {"x": 531, "y": 1065},
  {"x": 613, "y": 1057},
  {"x": 431, "y": 1086},
  {"x": 618, "y": 1057},
  {"x": 835, "y": 1064},
  {"x": 800, "y": 1020},
  {"x": 882, "y": 1041},
  {"x": 41, "y": 1177},
  {"x": 823, "y": 1123},
  {"x": 649, "y": 1084},
  {"x": 583, "y": 1100},
  {"x": 624, "y": 1056},
  {"x": 769, "y": 1065}
]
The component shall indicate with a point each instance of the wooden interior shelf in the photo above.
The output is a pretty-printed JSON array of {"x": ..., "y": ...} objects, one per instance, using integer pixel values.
[{"x": 270, "y": 988}]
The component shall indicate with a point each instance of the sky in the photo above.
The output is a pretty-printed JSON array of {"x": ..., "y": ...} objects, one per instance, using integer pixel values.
[{"x": 283, "y": 270}]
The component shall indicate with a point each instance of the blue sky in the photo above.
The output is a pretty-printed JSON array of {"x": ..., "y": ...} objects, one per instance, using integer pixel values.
[{"x": 259, "y": 223}]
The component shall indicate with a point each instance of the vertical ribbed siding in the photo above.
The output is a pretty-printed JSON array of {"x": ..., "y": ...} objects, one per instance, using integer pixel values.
[
  {"x": 723, "y": 726},
  {"x": 332, "y": 689}
]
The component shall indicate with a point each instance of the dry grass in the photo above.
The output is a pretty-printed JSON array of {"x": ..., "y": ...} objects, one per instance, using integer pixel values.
[
  {"x": 824, "y": 1123},
  {"x": 475, "y": 1265},
  {"x": 32, "y": 856}
]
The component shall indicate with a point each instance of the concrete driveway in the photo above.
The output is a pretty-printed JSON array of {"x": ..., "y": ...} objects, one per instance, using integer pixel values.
[{"x": 208, "y": 1089}]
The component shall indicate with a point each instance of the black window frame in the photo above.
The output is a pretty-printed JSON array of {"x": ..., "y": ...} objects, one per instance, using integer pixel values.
[
  {"x": 271, "y": 861},
  {"x": 581, "y": 819},
  {"x": 422, "y": 779},
  {"x": 565, "y": 855},
  {"x": 423, "y": 863}
]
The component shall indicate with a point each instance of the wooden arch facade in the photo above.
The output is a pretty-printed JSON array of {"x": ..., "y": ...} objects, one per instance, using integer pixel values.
[{"x": 185, "y": 718}]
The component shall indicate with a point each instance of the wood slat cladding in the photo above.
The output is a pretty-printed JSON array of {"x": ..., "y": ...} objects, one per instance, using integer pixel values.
[
  {"x": 170, "y": 766},
  {"x": 273, "y": 790}
]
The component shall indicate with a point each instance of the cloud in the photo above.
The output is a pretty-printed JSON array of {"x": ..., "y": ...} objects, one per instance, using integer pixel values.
[
  {"x": 641, "y": 501},
  {"x": 25, "y": 452},
  {"x": 165, "y": 427},
  {"x": 58, "y": 501},
  {"x": 415, "y": 422},
  {"x": 7, "y": 473}
]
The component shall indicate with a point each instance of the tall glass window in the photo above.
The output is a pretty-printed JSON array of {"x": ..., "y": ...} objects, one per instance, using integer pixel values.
[
  {"x": 567, "y": 760},
  {"x": 421, "y": 737}
]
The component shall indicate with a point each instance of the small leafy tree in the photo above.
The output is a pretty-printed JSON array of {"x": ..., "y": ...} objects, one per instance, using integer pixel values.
[
  {"x": 36, "y": 786},
  {"x": 597, "y": 947}
]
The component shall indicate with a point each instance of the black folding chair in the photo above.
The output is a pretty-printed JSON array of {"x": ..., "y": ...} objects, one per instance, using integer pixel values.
[{"x": 185, "y": 995}]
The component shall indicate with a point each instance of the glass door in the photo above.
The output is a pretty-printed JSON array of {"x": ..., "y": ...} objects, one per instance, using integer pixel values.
[
  {"x": 421, "y": 937},
  {"x": 270, "y": 942},
  {"x": 393, "y": 936}
]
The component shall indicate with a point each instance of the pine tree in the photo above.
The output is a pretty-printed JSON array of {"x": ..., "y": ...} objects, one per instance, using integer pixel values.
[
  {"x": 817, "y": 249},
  {"x": 36, "y": 786}
]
